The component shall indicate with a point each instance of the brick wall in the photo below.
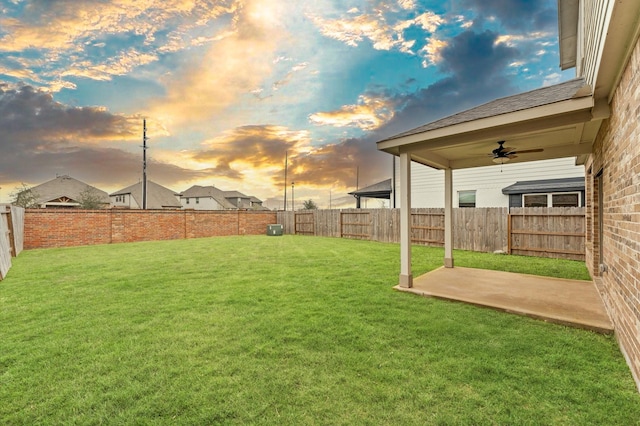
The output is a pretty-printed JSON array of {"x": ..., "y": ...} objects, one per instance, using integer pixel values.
[
  {"x": 616, "y": 156},
  {"x": 46, "y": 228}
]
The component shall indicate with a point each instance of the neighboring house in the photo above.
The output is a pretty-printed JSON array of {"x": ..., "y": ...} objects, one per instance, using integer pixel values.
[
  {"x": 256, "y": 203},
  {"x": 158, "y": 197},
  {"x": 244, "y": 202},
  {"x": 381, "y": 190},
  {"x": 593, "y": 118},
  {"x": 567, "y": 192},
  {"x": 481, "y": 186},
  {"x": 67, "y": 192},
  {"x": 238, "y": 199},
  {"x": 205, "y": 198}
]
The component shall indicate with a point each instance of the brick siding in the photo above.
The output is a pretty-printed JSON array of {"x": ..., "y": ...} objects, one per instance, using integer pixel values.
[
  {"x": 616, "y": 153},
  {"x": 47, "y": 228}
]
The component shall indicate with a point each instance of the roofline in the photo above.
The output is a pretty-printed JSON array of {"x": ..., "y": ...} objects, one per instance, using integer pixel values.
[{"x": 570, "y": 111}]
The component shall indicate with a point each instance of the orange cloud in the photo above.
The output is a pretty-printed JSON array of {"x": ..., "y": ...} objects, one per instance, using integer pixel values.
[{"x": 370, "y": 113}]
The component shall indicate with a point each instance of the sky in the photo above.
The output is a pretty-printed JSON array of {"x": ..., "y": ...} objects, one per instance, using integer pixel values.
[{"x": 230, "y": 88}]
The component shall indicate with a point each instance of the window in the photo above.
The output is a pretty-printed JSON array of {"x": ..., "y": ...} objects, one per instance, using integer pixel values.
[
  {"x": 536, "y": 200},
  {"x": 187, "y": 201},
  {"x": 568, "y": 199},
  {"x": 197, "y": 200},
  {"x": 466, "y": 198}
]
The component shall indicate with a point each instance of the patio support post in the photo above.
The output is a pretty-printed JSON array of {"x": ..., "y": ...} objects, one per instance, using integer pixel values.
[
  {"x": 406, "y": 278},
  {"x": 448, "y": 218}
]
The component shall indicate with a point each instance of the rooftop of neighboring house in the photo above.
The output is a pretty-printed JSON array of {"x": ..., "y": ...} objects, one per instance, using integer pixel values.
[
  {"x": 158, "y": 196},
  {"x": 65, "y": 188},
  {"x": 197, "y": 191},
  {"x": 377, "y": 190},
  {"x": 546, "y": 185}
]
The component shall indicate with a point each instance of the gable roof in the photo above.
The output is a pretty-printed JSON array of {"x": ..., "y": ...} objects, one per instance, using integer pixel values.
[
  {"x": 545, "y": 185},
  {"x": 234, "y": 194},
  {"x": 67, "y": 187},
  {"x": 197, "y": 191},
  {"x": 556, "y": 121},
  {"x": 158, "y": 197},
  {"x": 571, "y": 89}
]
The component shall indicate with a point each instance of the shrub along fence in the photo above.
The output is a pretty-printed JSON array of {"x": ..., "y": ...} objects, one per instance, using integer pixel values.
[
  {"x": 546, "y": 232},
  {"x": 11, "y": 235},
  {"x": 46, "y": 228}
]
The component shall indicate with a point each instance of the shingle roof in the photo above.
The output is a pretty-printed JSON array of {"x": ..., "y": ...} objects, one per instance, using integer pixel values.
[
  {"x": 158, "y": 197},
  {"x": 234, "y": 194},
  {"x": 377, "y": 190},
  {"x": 522, "y": 101},
  {"x": 208, "y": 192},
  {"x": 65, "y": 186},
  {"x": 545, "y": 185}
]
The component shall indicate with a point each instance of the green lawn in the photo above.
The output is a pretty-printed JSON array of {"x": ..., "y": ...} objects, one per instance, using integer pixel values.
[{"x": 286, "y": 330}]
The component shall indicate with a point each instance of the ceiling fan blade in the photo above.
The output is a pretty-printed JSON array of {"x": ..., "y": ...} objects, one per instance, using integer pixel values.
[{"x": 525, "y": 151}]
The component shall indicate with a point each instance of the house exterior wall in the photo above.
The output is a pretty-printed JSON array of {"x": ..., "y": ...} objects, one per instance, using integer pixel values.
[
  {"x": 44, "y": 228},
  {"x": 615, "y": 166},
  {"x": 128, "y": 203},
  {"x": 594, "y": 18},
  {"x": 204, "y": 203},
  {"x": 427, "y": 184}
]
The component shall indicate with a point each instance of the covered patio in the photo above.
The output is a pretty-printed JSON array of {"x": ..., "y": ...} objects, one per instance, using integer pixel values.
[
  {"x": 552, "y": 122},
  {"x": 569, "y": 302}
]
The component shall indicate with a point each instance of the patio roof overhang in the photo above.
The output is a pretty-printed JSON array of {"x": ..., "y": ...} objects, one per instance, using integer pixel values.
[
  {"x": 562, "y": 129},
  {"x": 561, "y": 120}
]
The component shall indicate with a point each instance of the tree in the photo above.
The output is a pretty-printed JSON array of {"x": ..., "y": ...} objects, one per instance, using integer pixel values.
[
  {"x": 25, "y": 196},
  {"x": 90, "y": 199},
  {"x": 310, "y": 205}
]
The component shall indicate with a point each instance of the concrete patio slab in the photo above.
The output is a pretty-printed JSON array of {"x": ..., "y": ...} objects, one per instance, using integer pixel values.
[{"x": 569, "y": 302}]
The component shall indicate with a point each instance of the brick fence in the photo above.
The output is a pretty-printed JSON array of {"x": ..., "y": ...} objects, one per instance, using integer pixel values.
[{"x": 46, "y": 228}]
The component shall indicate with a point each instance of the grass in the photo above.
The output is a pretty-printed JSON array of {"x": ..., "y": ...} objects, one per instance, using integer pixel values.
[{"x": 286, "y": 330}]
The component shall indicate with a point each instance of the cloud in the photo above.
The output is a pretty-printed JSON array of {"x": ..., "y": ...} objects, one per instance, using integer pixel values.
[
  {"x": 41, "y": 137},
  {"x": 369, "y": 113},
  {"x": 432, "y": 51},
  {"x": 375, "y": 27},
  {"x": 464, "y": 87},
  {"x": 551, "y": 79},
  {"x": 520, "y": 15},
  {"x": 260, "y": 147},
  {"x": 28, "y": 115},
  {"x": 228, "y": 69},
  {"x": 64, "y": 34},
  {"x": 260, "y": 150}
]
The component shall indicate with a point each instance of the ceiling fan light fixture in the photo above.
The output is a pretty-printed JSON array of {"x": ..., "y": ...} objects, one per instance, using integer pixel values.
[{"x": 500, "y": 160}]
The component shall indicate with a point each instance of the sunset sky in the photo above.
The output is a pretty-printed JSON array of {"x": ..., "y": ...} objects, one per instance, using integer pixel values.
[{"x": 228, "y": 86}]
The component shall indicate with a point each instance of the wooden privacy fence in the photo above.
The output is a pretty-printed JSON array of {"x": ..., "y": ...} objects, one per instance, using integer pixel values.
[
  {"x": 556, "y": 232},
  {"x": 547, "y": 232},
  {"x": 11, "y": 235}
]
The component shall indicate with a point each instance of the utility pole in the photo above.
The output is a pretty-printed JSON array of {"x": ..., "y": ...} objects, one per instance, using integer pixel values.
[
  {"x": 286, "y": 159},
  {"x": 144, "y": 164},
  {"x": 293, "y": 202}
]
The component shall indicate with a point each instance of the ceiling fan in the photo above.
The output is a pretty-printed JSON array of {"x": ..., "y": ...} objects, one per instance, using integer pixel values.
[{"x": 502, "y": 155}]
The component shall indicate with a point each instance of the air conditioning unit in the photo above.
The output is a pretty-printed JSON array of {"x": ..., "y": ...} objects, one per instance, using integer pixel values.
[{"x": 274, "y": 229}]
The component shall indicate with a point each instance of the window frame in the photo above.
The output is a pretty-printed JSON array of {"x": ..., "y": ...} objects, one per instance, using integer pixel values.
[
  {"x": 475, "y": 199},
  {"x": 550, "y": 195}
]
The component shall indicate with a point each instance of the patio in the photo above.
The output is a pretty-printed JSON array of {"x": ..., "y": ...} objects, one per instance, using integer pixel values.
[{"x": 568, "y": 302}]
